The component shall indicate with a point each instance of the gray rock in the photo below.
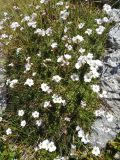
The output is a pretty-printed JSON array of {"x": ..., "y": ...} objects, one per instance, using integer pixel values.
[
  {"x": 114, "y": 37},
  {"x": 114, "y": 15},
  {"x": 2, "y": 83},
  {"x": 103, "y": 129}
]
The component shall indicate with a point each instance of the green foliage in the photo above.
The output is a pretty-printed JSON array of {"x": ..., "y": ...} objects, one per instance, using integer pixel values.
[{"x": 30, "y": 99}]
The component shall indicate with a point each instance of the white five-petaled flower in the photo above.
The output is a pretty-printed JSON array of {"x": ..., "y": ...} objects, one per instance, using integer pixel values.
[
  {"x": 35, "y": 114},
  {"x": 13, "y": 82},
  {"x": 45, "y": 88},
  {"x": 20, "y": 113},
  {"x": 29, "y": 82},
  {"x": 14, "y": 25},
  {"x": 8, "y": 131},
  {"x": 39, "y": 122},
  {"x": 107, "y": 8},
  {"x": 47, "y": 104},
  {"x": 56, "y": 78},
  {"x": 100, "y": 30},
  {"x": 81, "y": 50},
  {"x": 81, "y": 25},
  {"x": 64, "y": 14},
  {"x": 40, "y": 32},
  {"x": 104, "y": 94},
  {"x": 44, "y": 1},
  {"x": 75, "y": 77},
  {"x": 51, "y": 147},
  {"x": 96, "y": 151},
  {"x": 23, "y": 123},
  {"x": 88, "y": 31},
  {"x": 54, "y": 45},
  {"x": 78, "y": 39},
  {"x": 95, "y": 88}
]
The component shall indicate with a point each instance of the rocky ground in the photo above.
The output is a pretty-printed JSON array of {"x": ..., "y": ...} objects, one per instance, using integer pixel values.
[{"x": 102, "y": 129}]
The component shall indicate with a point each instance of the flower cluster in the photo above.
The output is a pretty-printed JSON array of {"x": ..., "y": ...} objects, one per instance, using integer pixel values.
[
  {"x": 47, "y": 145},
  {"x": 53, "y": 62}
]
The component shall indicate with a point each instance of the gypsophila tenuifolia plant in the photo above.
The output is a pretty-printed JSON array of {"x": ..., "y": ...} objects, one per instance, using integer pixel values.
[{"x": 53, "y": 51}]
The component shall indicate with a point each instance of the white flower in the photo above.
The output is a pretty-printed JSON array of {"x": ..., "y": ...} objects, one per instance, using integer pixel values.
[
  {"x": 28, "y": 66},
  {"x": 105, "y": 20},
  {"x": 54, "y": 45},
  {"x": 81, "y": 25},
  {"x": 67, "y": 56},
  {"x": 78, "y": 65},
  {"x": 32, "y": 24},
  {"x": 51, "y": 147},
  {"x": 80, "y": 133},
  {"x": 81, "y": 50},
  {"x": 78, "y": 128},
  {"x": 47, "y": 104},
  {"x": 48, "y": 31},
  {"x": 40, "y": 32},
  {"x": 29, "y": 82},
  {"x": 83, "y": 104},
  {"x": 13, "y": 82},
  {"x": 47, "y": 145},
  {"x": 60, "y": 59},
  {"x": 95, "y": 88},
  {"x": 75, "y": 77},
  {"x": 100, "y": 30},
  {"x": 18, "y": 50},
  {"x": 26, "y": 18},
  {"x": 11, "y": 65},
  {"x": 56, "y": 78},
  {"x": 88, "y": 31},
  {"x": 14, "y": 25},
  {"x": 64, "y": 14},
  {"x": 38, "y": 122},
  {"x": 34, "y": 73},
  {"x": 107, "y": 8},
  {"x": 66, "y": 29},
  {"x": 23, "y": 123},
  {"x": 35, "y": 114},
  {"x": 69, "y": 47},
  {"x": 99, "y": 21},
  {"x": 37, "y": 7},
  {"x": 58, "y": 99},
  {"x": 67, "y": 119},
  {"x": 3, "y": 36},
  {"x": 60, "y": 3},
  {"x": 45, "y": 87},
  {"x": 103, "y": 94},
  {"x": 0, "y": 119},
  {"x": 85, "y": 139},
  {"x": 77, "y": 39},
  {"x": 96, "y": 151},
  {"x": 20, "y": 113},
  {"x": 87, "y": 77},
  {"x": 44, "y": 1},
  {"x": 8, "y": 131},
  {"x": 109, "y": 117},
  {"x": 44, "y": 144}
]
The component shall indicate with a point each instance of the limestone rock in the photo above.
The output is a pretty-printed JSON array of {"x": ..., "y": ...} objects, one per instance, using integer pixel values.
[{"x": 107, "y": 125}]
